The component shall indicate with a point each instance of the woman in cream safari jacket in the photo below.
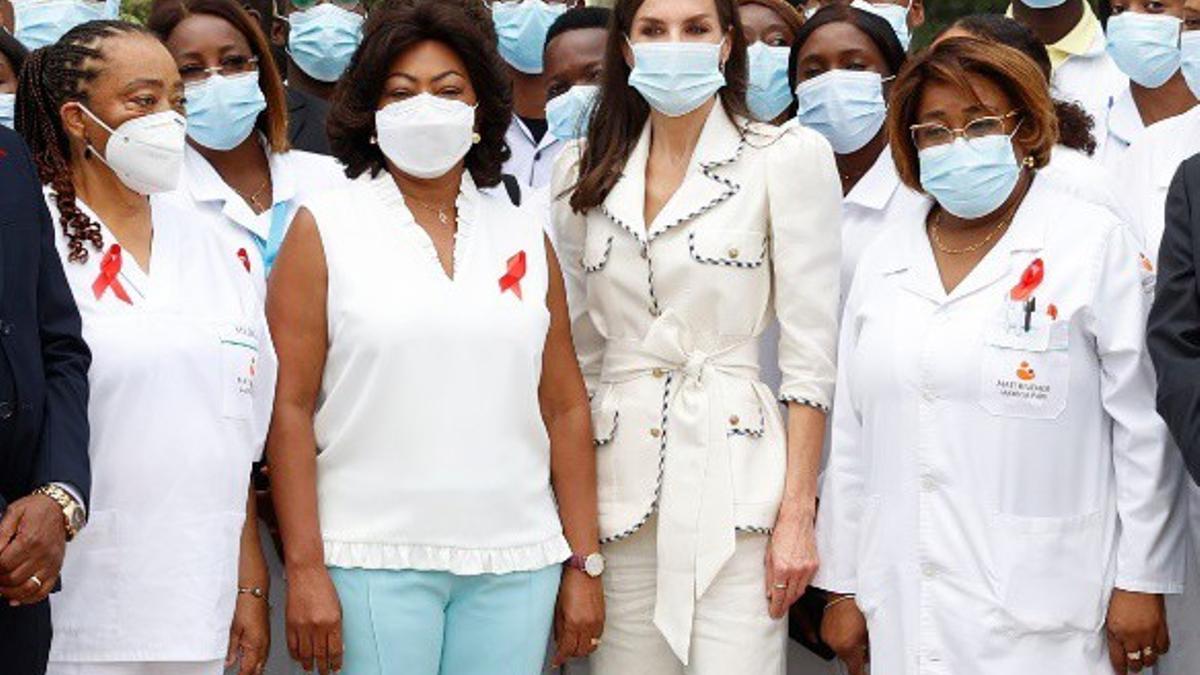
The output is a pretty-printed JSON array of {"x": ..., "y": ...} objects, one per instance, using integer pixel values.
[{"x": 699, "y": 480}]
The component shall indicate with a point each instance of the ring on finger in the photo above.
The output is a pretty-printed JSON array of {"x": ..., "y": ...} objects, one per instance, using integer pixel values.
[
  {"x": 595, "y": 642},
  {"x": 1133, "y": 656},
  {"x": 780, "y": 587},
  {"x": 1148, "y": 652},
  {"x": 36, "y": 581}
]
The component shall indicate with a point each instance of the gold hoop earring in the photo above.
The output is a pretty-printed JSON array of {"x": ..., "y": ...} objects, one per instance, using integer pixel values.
[
  {"x": 476, "y": 139},
  {"x": 1028, "y": 162}
]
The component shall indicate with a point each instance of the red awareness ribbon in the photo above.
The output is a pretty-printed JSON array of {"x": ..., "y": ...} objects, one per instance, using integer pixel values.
[
  {"x": 110, "y": 267},
  {"x": 244, "y": 257},
  {"x": 1031, "y": 278},
  {"x": 516, "y": 271}
]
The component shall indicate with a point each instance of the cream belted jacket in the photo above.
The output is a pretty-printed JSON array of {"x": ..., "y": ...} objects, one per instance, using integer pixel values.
[{"x": 666, "y": 320}]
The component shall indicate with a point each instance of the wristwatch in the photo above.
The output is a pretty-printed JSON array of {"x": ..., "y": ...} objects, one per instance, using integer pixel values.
[
  {"x": 73, "y": 516},
  {"x": 591, "y": 565}
]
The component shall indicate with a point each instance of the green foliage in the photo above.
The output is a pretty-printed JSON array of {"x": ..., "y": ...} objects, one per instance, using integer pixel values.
[{"x": 135, "y": 10}]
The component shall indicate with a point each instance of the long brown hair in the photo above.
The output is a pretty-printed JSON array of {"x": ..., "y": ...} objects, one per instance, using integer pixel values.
[
  {"x": 621, "y": 113},
  {"x": 273, "y": 121}
]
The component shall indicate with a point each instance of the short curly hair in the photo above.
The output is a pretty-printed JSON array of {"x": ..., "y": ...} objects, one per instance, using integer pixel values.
[{"x": 389, "y": 32}]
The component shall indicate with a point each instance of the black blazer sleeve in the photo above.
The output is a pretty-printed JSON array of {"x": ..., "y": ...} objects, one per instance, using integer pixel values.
[
  {"x": 1173, "y": 335},
  {"x": 62, "y": 453}
]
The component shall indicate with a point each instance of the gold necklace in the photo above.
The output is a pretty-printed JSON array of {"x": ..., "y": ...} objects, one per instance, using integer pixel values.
[
  {"x": 253, "y": 199},
  {"x": 440, "y": 211},
  {"x": 941, "y": 246}
]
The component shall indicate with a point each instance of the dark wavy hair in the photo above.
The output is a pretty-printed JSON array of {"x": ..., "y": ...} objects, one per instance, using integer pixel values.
[
  {"x": 272, "y": 122},
  {"x": 619, "y": 117},
  {"x": 389, "y": 32},
  {"x": 52, "y": 76},
  {"x": 1075, "y": 125},
  {"x": 877, "y": 30}
]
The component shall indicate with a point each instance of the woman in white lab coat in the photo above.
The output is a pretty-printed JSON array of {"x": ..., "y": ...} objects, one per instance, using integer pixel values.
[
  {"x": 1143, "y": 40},
  {"x": 999, "y": 496},
  {"x": 238, "y": 164},
  {"x": 182, "y": 373}
]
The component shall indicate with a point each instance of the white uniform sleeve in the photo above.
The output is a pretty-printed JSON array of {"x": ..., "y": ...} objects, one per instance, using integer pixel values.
[
  {"x": 569, "y": 233},
  {"x": 1150, "y": 555},
  {"x": 840, "y": 510},
  {"x": 806, "y": 222}
]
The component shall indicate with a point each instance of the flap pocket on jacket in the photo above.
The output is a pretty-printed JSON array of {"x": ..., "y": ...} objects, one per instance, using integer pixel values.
[
  {"x": 596, "y": 250},
  {"x": 604, "y": 417},
  {"x": 743, "y": 410},
  {"x": 733, "y": 248}
]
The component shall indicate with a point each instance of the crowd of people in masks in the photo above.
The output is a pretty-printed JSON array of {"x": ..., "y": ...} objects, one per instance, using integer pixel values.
[{"x": 649, "y": 337}]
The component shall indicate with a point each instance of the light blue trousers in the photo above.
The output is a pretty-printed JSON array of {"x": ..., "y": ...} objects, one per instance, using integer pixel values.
[{"x": 406, "y": 622}]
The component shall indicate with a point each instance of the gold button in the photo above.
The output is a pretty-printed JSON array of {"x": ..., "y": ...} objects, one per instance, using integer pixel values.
[
  {"x": 658, "y": 372},
  {"x": 734, "y": 253},
  {"x": 656, "y": 432},
  {"x": 734, "y": 420}
]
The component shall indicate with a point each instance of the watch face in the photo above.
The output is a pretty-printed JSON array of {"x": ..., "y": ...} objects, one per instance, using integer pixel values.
[
  {"x": 75, "y": 516},
  {"x": 594, "y": 565}
]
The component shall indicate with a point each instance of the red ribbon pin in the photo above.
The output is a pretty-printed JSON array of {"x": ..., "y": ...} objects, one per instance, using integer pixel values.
[
  {"x": 110, "y": 267},
  {"x": 244, "y": 257},
  {"x": 1031, "y": 278},
  {"x": 516, "y": 271}
]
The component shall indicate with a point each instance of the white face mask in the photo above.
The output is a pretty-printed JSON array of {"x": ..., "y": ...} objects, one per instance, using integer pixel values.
[
  {"x": 145, "y": 152},
  {"x": 426, "y": 135}
]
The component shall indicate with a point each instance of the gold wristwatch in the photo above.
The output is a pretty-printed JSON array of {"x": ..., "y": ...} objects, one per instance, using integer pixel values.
[{"x": 73, "y": 516}]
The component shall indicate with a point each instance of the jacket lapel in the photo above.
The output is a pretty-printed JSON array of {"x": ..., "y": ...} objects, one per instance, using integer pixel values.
[
  {"x": 625, "y": 204},
  {"x": 703, "y": 187}
]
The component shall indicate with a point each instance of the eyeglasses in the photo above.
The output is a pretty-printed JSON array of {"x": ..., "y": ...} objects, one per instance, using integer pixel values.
[
  {"x": 231, "y": 66},
  {"x": 933, "y": 134},
  {"x": 309, "y": 4}
]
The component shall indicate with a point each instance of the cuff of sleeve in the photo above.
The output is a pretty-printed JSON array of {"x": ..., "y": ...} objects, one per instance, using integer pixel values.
[
  {"x": 75, "y": 494},
  {"x": 842, "y": 586},
  {"x": 1150, "y": 587},
  {"x": 789, "y": 398}
]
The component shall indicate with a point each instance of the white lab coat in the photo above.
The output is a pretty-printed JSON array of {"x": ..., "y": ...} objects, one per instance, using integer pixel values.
[
  {"x": 182, "y": 380},
  {"x": 1092, "y": 80},
  {"x": 532, "y": 162},
  {"x": 296, "y": 176},
  {"x": 988, "y": 487},
  {"x": 1145, "y": 176}
]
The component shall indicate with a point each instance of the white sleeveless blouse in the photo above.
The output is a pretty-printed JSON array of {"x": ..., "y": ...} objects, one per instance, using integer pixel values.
[{"x": 432, "y": 452}]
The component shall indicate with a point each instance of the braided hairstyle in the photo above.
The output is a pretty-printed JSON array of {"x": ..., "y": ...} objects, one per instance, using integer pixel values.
[{"x": 52, "y": 76}]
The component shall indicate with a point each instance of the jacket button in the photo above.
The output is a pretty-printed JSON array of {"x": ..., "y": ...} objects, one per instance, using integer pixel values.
[
  {"x": 656, "y": 432},
  {"x": 733, "y": 421},
  {"x": 6, "y": 410},
  {"x": 658, "y": 373},
  {"x": 6, "y": 328},
  {"x": 734, "y": 253}
]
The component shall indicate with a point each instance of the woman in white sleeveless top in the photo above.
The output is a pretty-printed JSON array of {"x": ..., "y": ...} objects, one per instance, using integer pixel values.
[{"x": 431, "y": 457}]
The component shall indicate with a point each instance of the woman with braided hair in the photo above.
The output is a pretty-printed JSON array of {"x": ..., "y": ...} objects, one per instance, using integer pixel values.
[{"x": 182, "y": 374}]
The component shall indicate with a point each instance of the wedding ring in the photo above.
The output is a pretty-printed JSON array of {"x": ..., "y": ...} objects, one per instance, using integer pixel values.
[
  {"x": 36, "y": 581},
  {"x": 780, "y": 587},
  {"x": 1133, "y": 656},
  {"x": 1148, "y": 652}
]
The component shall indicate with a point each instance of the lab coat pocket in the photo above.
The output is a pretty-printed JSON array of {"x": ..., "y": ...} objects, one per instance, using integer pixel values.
[
  {"x": 91, "y": 580},
  {"x": 757, "y": 458},
  {"x": 745, "y": 249},
  {"x": 605, "y": 418},
  {"x": 1052, "y": 572},
  {"x": 596, "y": 250},
  {"x": 1026, "y": 375},
  {"x": 239, "y": 369}
]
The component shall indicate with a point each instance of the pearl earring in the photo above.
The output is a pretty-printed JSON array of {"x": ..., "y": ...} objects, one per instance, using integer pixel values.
[{"x": 476, "y": 138}]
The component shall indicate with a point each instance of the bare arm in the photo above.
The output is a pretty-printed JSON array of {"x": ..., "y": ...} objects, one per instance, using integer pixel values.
[
  {"x": 296, "y": 312},
  {"x": 567, "y": 414},
  {"x": 250, "y": 634}
]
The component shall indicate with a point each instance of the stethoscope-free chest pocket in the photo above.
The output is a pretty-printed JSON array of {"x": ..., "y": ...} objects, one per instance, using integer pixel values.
[
  {"x": 239, "y": 370},
  {"x": 1026, "y": 373}
]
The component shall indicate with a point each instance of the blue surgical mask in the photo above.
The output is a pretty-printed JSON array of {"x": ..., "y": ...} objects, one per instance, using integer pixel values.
[
  {"x": 43, "y": 22},
  {"x": 846, "y": 106},
  {"x": 769, "y": 93},
  {"x": 1189, "y": 49},
  {"x": 676, "y": 78},
  {"x": 222, "y": 110},
  {"x": 896, "y": 15},
  {"x": 521, "y": 28},
  {"x": 323, "y": 39},
  {"x": 1145, "y": 46},
  {"x": 970, "y": 178},
  {"x": 8, "y": 110},
  {"x": 568, "y": 113},
  {"x": 1042, "y": 4}
]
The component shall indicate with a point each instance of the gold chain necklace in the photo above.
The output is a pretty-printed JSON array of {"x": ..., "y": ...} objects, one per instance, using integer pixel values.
[
  {"x": 253, "y": 199},
  {"x": 440, "y": 211},
  {"x": 941, "y": 246}
]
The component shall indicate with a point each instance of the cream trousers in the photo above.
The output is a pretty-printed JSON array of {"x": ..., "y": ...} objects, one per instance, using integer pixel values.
[{"x": 731, "y": 633}]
